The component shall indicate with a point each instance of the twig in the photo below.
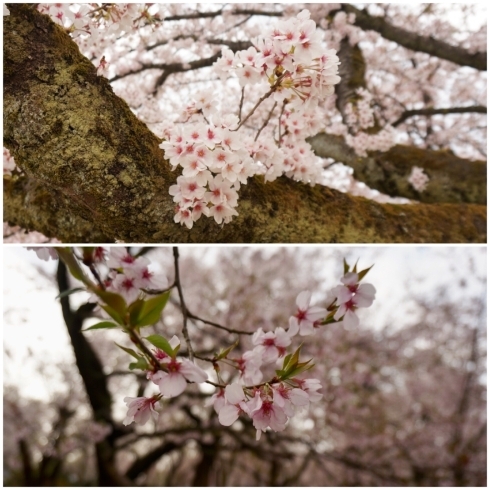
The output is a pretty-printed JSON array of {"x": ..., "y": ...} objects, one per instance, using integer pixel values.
[
  {"x": 182, "y": 302},
  {"x": 266, "y": 122},
  {"x": 241, "y": 104},
  {"x": 265, "y": 96},
  {"x": 217, "y": 325},
  {"x": 279, "y": 125}
]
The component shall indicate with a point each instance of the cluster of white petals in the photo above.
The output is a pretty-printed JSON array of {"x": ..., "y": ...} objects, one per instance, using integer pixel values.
[
  {"x": 269, "y": 406},
  {"x": 350, "y": 296},
  {"x": 292, "y": 67},
  {"x": 418, "y": 179},
  {"x": 133, "y": 275}
]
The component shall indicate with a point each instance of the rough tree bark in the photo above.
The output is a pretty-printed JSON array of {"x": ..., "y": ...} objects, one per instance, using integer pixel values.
[{"x": 89, "y": 164}]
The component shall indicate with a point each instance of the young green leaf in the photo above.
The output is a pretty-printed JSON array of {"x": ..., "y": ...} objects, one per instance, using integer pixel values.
[
  {"x": 100, "y": 325},
  {"x": 364, "y": 272},
  {"x": 346, "y": 267},
  {"x": 113, "y": 313},
  {"x": 66, "y": 255},
  {"x": 223, "y": 354},
  {"x": 141, "y": 363},
  {"x": 134, "y": 309},
  {"x": 152, "y": 309},
  {"x": 162, "y": 343},
  {"x": 68, "y": 292},
  {"x": 131, "y": 352},
  {"x": 114, "y": 300}
]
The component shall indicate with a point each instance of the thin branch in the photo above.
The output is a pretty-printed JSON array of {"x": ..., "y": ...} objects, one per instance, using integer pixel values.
[
  {"x": 217, "y": 325},
  {"x": 182, "y": 302},
  {"x": 430, "y": 111},
  {"x": 265, "y": 96},
  {"x": 266, "y": 122},
  {"x": 279, "y": 124},
  {"x": 241, "y": 104}
]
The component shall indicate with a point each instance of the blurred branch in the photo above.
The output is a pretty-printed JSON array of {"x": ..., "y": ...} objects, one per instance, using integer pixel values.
[
  {"x": 431, "y": 111},
  {"x": 452, "y": 179},
  {"x": 416, "y": 42},
  {"x": 142, "y": 464}
]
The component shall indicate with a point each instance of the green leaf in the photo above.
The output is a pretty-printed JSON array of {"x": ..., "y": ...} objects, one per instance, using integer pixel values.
[
  {"x": 68, "y": 292},
  {"x": 113, "y": 313},
  {"x": 66, "y": 255},
  {"x": 100, "y": 325},
  {"x": 355, "y": 267},
  {"x": 346, "y": 267},
  {"x": 364, "y": 272},
  {"x": 152, "y": 309},
  {"x": 299, "y": 370},
  {"x": 134, "y": 310},
  {"x": 295, "y": 358},
  {"x": 141, "y": 363},
  {"x": 162, "y": 343},
  {"x": 286, "y": 361},
  {"x": 223, "y": 354},
  {"x": 129, "y": 351},
  {"x": 114, "y": 300}
]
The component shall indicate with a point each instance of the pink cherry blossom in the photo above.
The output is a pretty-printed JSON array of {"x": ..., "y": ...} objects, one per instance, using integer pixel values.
[
  {"x": 234, "y": 404},
  {"x": 120, "y": 258},
  {"x": 311, "y": 387},
  {"x": 306, "y": 316},
  {"x": 351, "y": 296},
  {"x": 127, "y": 285},
  {"x": 174, "y": 382},
  {"x": 271, "y": 345},
  {"x": 249, "y": 366},
  {"x": 45, "y": 253},
  {"x": 140, "y": 409},
  {"x": 287, "y": 398}
]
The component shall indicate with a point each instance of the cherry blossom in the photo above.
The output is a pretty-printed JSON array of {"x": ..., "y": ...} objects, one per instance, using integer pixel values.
[
  {"x": 271, "y": 345},
  {"x": 180, "y": 371},
  {"x": 418, "y": 179},
  {"x": 351, "y": 296},
  {"x": 140, "y": 409},
  {"x": 249, "y": 366},
  {"x": 234, "y": 404},
  {"x": 44, "y": 253},
  {"x": 306, "y": 316}
]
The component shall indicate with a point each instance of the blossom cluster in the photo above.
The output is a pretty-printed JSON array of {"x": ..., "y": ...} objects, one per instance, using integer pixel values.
[
  {"x": 294, "y": 70},
  {"x": 270, "y": 404},
  {"x": 291, "y": 59},
  {"x": 130, "y": 274},
  {"x": 418, "y": 179}
]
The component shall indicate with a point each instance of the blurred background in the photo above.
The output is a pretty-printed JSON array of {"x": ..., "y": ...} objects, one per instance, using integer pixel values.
[{"x": 404, "y": 394}]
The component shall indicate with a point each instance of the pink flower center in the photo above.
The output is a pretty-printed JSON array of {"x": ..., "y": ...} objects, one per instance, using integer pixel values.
[
  {"x": 173, "y": 366},
  {"x": 269, "y": 342},
  {"x": 301, "y": 315},
  {"x": 128, "y": 284}
]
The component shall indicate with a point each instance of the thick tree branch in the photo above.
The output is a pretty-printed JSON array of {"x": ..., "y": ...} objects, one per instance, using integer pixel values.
[
  {"x": 416, "y": 42},
  {"x": 66, "y": 129},
  {"x": 28, "y": 204},
  {"x": 432, "y": 111},
  {"x": 452, "y": 179}
]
